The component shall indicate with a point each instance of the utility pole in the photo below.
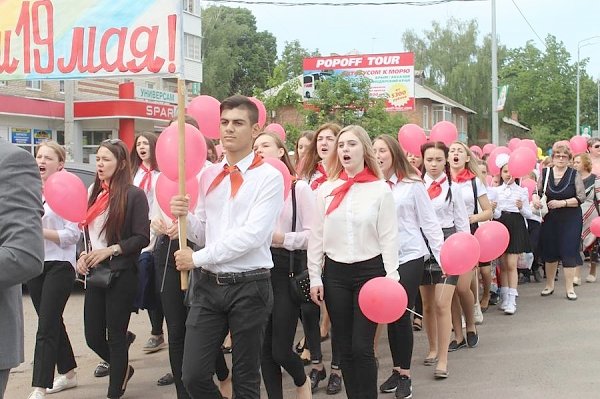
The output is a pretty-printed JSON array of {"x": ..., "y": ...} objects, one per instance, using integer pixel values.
[
  {"x": 495, "y": 134},
  {"x": 70, "y": 120}
]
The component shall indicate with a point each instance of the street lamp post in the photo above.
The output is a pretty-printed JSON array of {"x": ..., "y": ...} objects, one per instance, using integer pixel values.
[{"x": 579, "y": 46}]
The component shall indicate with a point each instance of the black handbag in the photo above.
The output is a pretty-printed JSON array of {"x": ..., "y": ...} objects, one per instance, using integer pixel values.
[
  {"x": 299, "y": 282},
  {"x": 100, "y": 276}
]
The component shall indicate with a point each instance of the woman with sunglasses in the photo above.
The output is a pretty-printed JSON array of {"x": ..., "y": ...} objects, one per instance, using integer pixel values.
[
  {"x": 560, "y": 235},
  {"x": 118, "y": 228},
  {"x": 594, "y": 150}
]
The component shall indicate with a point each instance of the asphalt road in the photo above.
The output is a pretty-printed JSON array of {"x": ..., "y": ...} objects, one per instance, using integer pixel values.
[{"x": 549, "y": 349}]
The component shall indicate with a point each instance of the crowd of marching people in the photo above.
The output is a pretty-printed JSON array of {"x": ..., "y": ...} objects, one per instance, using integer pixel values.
[{"x": 265, "y": 257}]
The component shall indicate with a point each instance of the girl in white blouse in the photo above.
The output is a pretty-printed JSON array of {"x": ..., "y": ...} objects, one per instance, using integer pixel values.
[
  {"x": 416, "y": 221},
  {"x": 50, "y": 291},
  {"x": 355, "y": 237},
  {"x": 511, "y": 207},
  {"x": 437, "y": 288},
  {"x": 286, "y": 243}
]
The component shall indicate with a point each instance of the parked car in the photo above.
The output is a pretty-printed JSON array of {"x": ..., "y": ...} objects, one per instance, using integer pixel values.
[{"x": 85, "y": 171}]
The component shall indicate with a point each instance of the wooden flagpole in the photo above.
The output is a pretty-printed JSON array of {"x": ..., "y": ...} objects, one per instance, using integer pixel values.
[{"x": 181, "y": 92}]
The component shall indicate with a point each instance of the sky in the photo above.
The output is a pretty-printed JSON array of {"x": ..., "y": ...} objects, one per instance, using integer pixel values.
[{"x": 378, "y": 29}]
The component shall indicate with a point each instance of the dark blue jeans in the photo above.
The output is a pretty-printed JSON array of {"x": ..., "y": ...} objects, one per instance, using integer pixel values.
[{"x": 353, "y": 332}]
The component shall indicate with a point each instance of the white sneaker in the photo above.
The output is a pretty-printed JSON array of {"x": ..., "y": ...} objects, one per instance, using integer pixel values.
[
  {"x": 61, "y": 383},
  {"x": 477, "y": 315},
  {"x": 590, "y": 278},
  {"x": 36, "y": 395},
  {"x": 510, "y": 308},
  {"x": 511, "y": 302}
]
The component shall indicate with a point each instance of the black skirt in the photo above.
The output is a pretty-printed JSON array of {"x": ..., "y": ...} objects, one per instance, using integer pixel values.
[{"x": 519, "y": 236}]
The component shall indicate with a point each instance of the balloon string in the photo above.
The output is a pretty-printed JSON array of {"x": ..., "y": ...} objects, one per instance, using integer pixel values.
[
  {"x": 443, "y": 288},
  {"x": 415, "y": 313}
]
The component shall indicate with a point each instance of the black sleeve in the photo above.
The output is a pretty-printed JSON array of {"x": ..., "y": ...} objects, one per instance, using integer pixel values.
[{"x": 137, "y": 215}]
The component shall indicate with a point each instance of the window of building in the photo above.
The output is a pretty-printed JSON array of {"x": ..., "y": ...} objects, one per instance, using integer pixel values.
[
  {"x": 60, "y": 137},
  {"x": 33, "y": 84},
  {"x": 425, "y": 124},
  {"x": 150, "y": 85},
  {"x": 91, "y": 141},
  {"x": 3, "y": 83},
  {"x": 61, "y": 86},
  {"x": 441, "y": 112},
  {"x": 191, "y": 6},
  {"x": 193, "y": 45}
]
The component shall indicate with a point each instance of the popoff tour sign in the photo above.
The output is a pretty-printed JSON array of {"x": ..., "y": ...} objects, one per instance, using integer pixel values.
[
  {"x": 391, "y": 74},
  {"x": 46, "y": 39}
]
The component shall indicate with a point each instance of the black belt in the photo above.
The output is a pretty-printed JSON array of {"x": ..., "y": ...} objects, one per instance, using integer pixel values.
[{"x": 237, "y": 278}]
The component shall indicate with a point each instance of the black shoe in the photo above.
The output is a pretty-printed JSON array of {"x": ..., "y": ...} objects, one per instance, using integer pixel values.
[
  {"x": 523, "y": 279},
  {"x": 315, "y": 377},
  {"x": 537, "y": 276},
  {"x": 472, "y": 339},
  {"x": 404, "y": 390},
  {"x": 454, "y": 346},
  {"x": 226, "y": 349},
  {"x": 334, "y": 385},
  {"x": 102, "y": 370},
  {"x": 391, "y": 383},
  {"x": 166, "y": 379},
  {"x": 128, "y": 376},
  {"x": 130, "y": 338},
  {"x": 494, "y": 298}
]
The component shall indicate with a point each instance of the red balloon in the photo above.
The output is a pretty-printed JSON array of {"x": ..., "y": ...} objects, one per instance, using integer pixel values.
[
  {"x": 491, "y": 161},
  {"x": 277, "y": 129},
  {"x": 285, "y": 172},
  {"x": 595, "y": 226},
  {"x": 167, "y": 151},
  {"x": 67, "y": 196},
  {"x": 459, "y": 254},
  {"x": 262, "y": 111},
  {"x": 476, "y": 150},
  {"x": 445, "y": 132},
  {"x": 528, "y": 143},
  {"x": 411, "y": 137},
  {"x": 522, "y": 162},
  {"x": 382, "y": 300},
  {"x": 530, "y": 185},
  {"x": 514, "y": 143},
  {"x": 167, "y": 189},
  {"x": 206, "y": 111},
  {"x": 578, "y": 144},
  {"x": 488, "y": 148},
  {"x": 493, "y": 238}
]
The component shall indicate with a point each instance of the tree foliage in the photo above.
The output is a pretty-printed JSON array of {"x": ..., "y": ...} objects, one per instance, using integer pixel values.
[{"x": 236, "y": 57}]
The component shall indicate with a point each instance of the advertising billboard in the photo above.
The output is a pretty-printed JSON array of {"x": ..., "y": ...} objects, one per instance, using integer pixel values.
[{"x": 391, "y": 75}]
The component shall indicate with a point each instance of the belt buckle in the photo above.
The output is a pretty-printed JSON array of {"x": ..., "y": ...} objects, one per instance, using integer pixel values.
[{"x": 223, "y": 276}]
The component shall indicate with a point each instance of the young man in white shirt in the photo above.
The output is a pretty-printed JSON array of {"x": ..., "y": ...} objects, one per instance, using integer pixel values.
[{"x": 239, "y": 201}]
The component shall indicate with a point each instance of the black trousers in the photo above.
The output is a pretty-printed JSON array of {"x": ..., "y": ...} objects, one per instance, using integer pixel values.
[
  {"x": 148, "y": 296},
  {"x": 243, "y": 309},
  {"x": 310, "y": 313},
  {"x": 49, "y": 293},
  {"x": 400, "y": 333},
  {"x": 168, "y": 284},
  {"x": 108, "y": 311},
  {"x": 278, "y": 343},
  {"x": 353, "y": 332}
]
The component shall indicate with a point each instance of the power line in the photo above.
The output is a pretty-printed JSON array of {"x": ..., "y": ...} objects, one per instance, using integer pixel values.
[
  {"x": 337, "y": 4},
  {"x": 531, "y": 27}
]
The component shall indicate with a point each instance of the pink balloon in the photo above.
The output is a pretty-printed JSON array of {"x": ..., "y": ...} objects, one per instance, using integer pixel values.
[
  {"x": 528, "y": 143},
  {"x": 411, "y": 137},
  {"x": 277, "y": 129},
  {"x": 382, "y": 300},
  {"x": 530, "y": 185},
  {"x": 522, "y": 162},
  {"x": 262, "y": 111},
  {"x": 578, "y": 145},
  {"x": 476, "y": 150},
  {"x": 445, "y": 132},
  {"x": 167, "y": 151},
  {"x": 493, "y": 238},
  {"x": 460, "y": 253},
  {"x": 206, "y": 111},
  {"x": 219, "y": 149},
  {"x": 488, "y": 148},
  {"x": 489, "y": 180},
  {"x": 491, "y": 161},
  {"x": 167, "y": 189},
  {"x": 285, "y": 172},
  {"x": 66, "y": 195},
  {"x": 595, "y": 226},
  {"x": 514, "y": 143}
]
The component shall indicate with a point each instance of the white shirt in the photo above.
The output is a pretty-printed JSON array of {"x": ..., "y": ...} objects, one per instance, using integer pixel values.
[
  {"x": 306, "y": 208},
  {"x": 466, "y": 192},
  {"x": 415, "y": 213},
  {"x": 68, "y": 235},
  {"x": 362, "y": 227},
  {"x": 236, "y": 232},
  {"x": 449, "y": 213},
  {"x": 97, "y": 235},
  {"x": 150, "y": 196},
  {"x": 506, "y": 197}
]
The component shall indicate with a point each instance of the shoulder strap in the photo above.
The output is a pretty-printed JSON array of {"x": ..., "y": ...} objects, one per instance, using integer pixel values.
[
  {"x": 291, "y": 271},
  {"x": 87, "y": 243},
  {"x": 474, "y": 184}
]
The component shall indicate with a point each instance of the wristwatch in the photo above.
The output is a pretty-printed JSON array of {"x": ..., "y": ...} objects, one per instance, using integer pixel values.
[{"x": 115, "y": 249}]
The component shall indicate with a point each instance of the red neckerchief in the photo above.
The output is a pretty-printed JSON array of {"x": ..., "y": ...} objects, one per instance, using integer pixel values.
[
  {"x": 463, "y": 176},
  {"x": 98, "y": 206},
  {"x": 339, "y": 193},
  {"x": 436, "y": 188},
  {"x": 321, "y": 179},
  {"x": 146, "y": 183},
  {"x": 235, "y": 176}
]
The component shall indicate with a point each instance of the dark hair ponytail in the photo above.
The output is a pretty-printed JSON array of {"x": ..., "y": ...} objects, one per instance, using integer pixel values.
[{"x": 449, "y": 178}]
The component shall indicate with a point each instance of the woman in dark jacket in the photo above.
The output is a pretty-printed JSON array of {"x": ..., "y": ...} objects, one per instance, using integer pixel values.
[{"x": 117, "y": 229}]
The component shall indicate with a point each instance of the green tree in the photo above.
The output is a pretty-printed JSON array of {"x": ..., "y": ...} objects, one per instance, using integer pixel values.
[
  {"x": 290, "y": 65},
  {"x": 236, "y": 57}
]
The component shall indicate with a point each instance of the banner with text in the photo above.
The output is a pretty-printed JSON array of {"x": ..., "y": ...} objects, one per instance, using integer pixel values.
[
  {"x": 62, "y": 39},
  {"x": 391, "y": 74}
]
